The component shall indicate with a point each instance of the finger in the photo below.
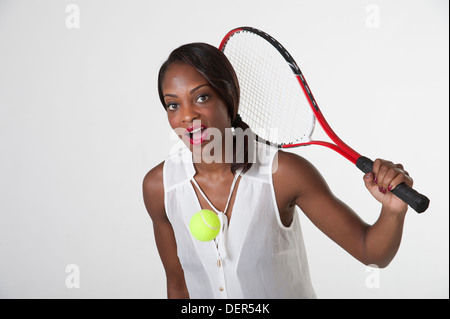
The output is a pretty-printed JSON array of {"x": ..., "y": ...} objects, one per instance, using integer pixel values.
[
  {"x": 376, "y": 166},
  {"x": 387, "y": 174},
  {"x": 400, "y": 178},
  {"x": 383, "y": 173},
  {"x": 369, "y": 182},
  {"x": 401, "y": 169},
  {"x": 376, "y": 169}
]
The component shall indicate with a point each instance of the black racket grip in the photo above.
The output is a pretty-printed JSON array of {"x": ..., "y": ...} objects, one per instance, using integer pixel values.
[{"x": 414, "y": 199}]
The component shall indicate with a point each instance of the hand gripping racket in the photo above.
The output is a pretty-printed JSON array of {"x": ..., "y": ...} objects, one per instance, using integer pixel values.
[{"x": 271, "y": 83}]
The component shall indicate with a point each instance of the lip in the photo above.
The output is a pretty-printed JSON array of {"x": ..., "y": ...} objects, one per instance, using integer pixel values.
[{"x": 199, "y": 137}]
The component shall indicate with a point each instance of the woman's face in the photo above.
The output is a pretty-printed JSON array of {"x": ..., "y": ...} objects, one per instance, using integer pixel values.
[{"x": 194, "y": 108}]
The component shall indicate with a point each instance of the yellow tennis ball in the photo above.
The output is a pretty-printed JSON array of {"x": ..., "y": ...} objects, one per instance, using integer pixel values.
[{"x": 204, "y": 225}]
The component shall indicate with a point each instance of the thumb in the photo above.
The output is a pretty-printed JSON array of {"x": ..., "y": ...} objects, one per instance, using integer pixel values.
[{"x": 369, "y": 181}]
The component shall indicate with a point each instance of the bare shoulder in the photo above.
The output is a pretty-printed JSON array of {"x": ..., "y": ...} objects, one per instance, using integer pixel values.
[
  {"x": 297, "y": 176},
  {"x": 153, "y": 192},
  {"x": 154, "y": 177},
  {"x": 291, "y": 164},
  {"x": 289, "y": 160}
]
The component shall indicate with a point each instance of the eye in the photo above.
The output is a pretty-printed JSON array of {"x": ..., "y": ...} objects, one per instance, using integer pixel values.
[
  {"x": 172, "y": 107},
  {"x": 202, "y": 98}
]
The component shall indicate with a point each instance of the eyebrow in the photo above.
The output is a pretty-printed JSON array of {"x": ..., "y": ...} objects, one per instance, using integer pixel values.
[{"x": 190, "y": 92}]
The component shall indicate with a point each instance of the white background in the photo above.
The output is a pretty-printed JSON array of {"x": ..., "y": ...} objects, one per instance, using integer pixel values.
[{"x": 81, "y": 124}]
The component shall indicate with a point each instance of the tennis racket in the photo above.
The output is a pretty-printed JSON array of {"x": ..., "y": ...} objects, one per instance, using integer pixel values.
[{"x": 271, "y": 83}]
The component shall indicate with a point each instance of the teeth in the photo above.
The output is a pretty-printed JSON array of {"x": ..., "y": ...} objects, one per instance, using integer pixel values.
[{"x": 197, "y": 130}]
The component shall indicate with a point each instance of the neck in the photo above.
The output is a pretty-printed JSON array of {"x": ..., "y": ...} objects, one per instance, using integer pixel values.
[
  {"x": 216, "y": 170},
  {"x": 214, "y": 159}
]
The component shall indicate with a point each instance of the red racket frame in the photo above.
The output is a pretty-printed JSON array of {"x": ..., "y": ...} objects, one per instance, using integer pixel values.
[
  {"x": 416, "y": 200},
  {"x": 339, "y": 145}
]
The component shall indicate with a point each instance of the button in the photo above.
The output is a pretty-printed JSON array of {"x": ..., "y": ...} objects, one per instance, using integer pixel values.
[
  {"x": 219, "y": 263},
  {"x": 221, "y": 288}
]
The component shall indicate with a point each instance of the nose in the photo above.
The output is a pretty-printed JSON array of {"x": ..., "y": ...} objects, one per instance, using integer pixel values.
[{"x": 190, "y": 113}]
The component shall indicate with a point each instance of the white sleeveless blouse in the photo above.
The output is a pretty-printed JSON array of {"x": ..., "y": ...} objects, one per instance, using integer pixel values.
[{"x": 258, "y": 257}]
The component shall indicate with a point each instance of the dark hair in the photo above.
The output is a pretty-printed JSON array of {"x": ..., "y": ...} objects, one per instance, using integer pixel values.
[{"x": 214, "y": 66}]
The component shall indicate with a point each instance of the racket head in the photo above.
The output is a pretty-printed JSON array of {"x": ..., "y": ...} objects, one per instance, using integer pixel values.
[{"x": 273, "y": 101}]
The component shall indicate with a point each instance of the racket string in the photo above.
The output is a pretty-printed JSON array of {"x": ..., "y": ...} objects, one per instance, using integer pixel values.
[{"x": 272, "y": 102}]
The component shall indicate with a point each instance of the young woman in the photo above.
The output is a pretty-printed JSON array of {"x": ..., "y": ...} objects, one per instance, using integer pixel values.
[{"x": 259, "y": 252}]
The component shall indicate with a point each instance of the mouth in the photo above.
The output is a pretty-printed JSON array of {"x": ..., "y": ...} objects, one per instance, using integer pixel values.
[{"x": 197, "y": 134}]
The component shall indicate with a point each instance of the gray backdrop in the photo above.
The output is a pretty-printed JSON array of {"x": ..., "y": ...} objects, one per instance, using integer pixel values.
[{"x": 81, "y": 124}]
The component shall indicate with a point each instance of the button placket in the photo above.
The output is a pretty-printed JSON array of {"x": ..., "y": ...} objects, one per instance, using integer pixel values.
[{"x": 221, "y": 285}]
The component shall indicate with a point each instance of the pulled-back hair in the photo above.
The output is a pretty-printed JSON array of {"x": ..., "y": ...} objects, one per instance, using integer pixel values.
[{"x": 214, "y": 66}]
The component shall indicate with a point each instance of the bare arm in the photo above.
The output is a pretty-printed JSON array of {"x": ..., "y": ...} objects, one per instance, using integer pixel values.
[
  {"x": 376, "y": 244},
  {"x": 153, "y": 191}
]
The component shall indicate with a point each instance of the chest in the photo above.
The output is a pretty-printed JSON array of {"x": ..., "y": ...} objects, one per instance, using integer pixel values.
[
  {"x": 217, "y": 196},
  {"x": 222, "y": 197}
]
